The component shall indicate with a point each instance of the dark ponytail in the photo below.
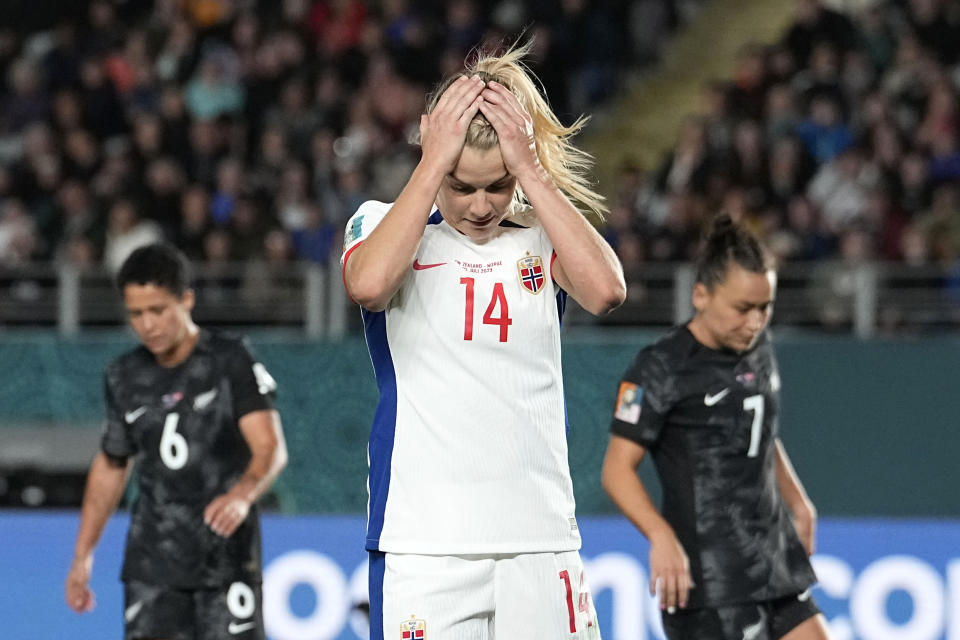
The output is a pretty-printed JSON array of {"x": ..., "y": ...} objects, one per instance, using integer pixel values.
[{"x": 726, "y": 243}]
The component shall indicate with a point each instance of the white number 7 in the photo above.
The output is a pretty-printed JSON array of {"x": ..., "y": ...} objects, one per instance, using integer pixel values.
[{"x": 755, "y": 404}]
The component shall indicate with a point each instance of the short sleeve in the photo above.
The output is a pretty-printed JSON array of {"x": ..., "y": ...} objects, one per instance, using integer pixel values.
[
  {"x": 252, "y": 385},
  {"x": 361, "y": 224},
  {"x": 643, "y": 400},
  {"x": 116, "y": 441}
]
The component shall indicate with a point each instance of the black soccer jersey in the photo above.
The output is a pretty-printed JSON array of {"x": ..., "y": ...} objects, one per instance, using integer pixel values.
[
  {"x": 710, "y": 420},
  {"x": 182, "y": 426}
]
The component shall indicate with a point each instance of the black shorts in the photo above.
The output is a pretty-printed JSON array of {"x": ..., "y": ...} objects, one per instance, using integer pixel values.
[
  {"x": 233, "y": 612},
  {"x": 768, "y": 620}
]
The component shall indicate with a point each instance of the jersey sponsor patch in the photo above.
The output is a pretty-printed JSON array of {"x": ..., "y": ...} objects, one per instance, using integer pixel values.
[
  {"x": 413, "y": 629},
  {"x": 628, "y": 403},
  {"x": 530, "y": 270}
]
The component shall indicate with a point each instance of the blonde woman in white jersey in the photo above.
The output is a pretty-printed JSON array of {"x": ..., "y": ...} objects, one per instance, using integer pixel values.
[{"x": 462, "y": 281}]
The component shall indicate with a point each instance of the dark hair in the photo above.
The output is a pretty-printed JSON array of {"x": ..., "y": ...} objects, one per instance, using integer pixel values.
[
  {"x": 728, "y": 242},
  {"x": 160, "y": 264}
]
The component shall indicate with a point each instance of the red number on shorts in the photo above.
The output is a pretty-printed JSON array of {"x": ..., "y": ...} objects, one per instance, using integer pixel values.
[
  {"x": 565, "y": 576},
  {"x": 585, "y": 601}
]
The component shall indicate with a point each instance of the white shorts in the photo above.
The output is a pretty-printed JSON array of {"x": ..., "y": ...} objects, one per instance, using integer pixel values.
[{"x": 533, "y": 596}]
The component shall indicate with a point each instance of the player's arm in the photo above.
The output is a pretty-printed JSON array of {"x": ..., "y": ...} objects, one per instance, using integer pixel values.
[
  {"x": 105, "y": 483},
  {"x": 669, "y": 564},
  {"x": 586, "y": 266},
  {"x": 376, "y": 268},
  {"x": 264, "y": 436},
  {"x": 796, "y": 499}
]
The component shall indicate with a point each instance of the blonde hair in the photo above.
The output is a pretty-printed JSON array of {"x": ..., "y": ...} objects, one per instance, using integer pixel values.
[{"x": 567, "y": 165}]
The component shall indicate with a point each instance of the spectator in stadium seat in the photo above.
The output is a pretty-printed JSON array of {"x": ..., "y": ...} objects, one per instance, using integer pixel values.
[
  {"x": 804, "y": 221},
  {"x": 270, "y": 279},
  {"x": 248, "y": 225},
  {"x": 687, "y": 167},
  {"x": 18, "y": 237},
  {"x": 823, "y": 131},
  {"x": 815, "y": 23},
  {"x": 729, "y": 548},
  {"x": 834, "y": 283},
  {"x": 194, "y": 221},
  {"x": 839, "y": 188},
  {"x": 27, "y": 101},
  {"x": 126, "y": 232},
  {"x": 215, "y": 90}
]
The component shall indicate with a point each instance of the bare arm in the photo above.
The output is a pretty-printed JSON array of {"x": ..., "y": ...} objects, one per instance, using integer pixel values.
[
  {"x": 264, "y": 436},
  {"x": 668, "y": 561},
  {"x": 105, "y": 483},
  {"x": 377, "y": 267},
  {"x": 795, "y": 497},
  {"x": 586, "y": 266}
]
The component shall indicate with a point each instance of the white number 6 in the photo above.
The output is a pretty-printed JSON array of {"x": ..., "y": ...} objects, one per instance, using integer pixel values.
[{"x": 173, "y": 446}]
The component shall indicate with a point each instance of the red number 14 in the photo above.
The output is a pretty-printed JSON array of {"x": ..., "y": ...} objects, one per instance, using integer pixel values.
[{"x": 498, "y": 298}]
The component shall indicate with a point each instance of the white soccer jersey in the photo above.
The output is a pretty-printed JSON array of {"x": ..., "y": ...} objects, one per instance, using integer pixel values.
[{"x": 468, "y": 450}]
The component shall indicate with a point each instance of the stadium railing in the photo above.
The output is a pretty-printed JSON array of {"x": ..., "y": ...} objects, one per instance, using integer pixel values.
[{"x": 866, "y": 298}]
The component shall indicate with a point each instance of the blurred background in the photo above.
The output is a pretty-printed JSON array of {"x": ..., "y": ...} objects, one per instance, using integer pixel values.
[{"x": 248, "y": 131}]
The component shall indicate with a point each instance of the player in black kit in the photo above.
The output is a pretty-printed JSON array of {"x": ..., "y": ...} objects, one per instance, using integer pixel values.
[
  {"x": 193, "y": 411},
  {"x": 729, "y": 553}
]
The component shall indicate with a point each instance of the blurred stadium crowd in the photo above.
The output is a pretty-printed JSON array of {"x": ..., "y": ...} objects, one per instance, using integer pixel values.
[
  {"x": 837, "y": 142},
  {"x": 250, "y": 130}
]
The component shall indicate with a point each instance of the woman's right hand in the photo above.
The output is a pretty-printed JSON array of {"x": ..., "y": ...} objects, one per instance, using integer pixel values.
[
  {"x": 443, "y": 130},
  {"x": 79, "y": 595},
  {"x": 670, "y": 567}
]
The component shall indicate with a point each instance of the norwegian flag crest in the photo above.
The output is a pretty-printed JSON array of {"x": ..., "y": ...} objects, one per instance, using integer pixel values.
[
  {"x": 413, "y": 630},
  {"x": 530, "y": 270}
]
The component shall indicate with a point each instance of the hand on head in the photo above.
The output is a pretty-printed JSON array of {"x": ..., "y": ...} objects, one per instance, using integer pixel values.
[
  {"x": 443, "y": 130},
  {"x": 514, "y": 128}
]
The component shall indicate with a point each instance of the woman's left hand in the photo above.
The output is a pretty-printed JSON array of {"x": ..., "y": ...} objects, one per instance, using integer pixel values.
[{"x": 514, "y": 128}]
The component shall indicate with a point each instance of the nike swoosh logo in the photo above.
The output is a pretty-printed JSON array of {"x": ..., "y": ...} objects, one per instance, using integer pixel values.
[
  {"x": 131, "y": 416},
  {"x": 132, "y": 611},
  {"x": 803, "y": 597},
  {"x": 711, "y": 400},
  {"x": 237, "y": 627},
  {"x": 420, "y": 267},
  {"x": 753, "y": 631}
]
